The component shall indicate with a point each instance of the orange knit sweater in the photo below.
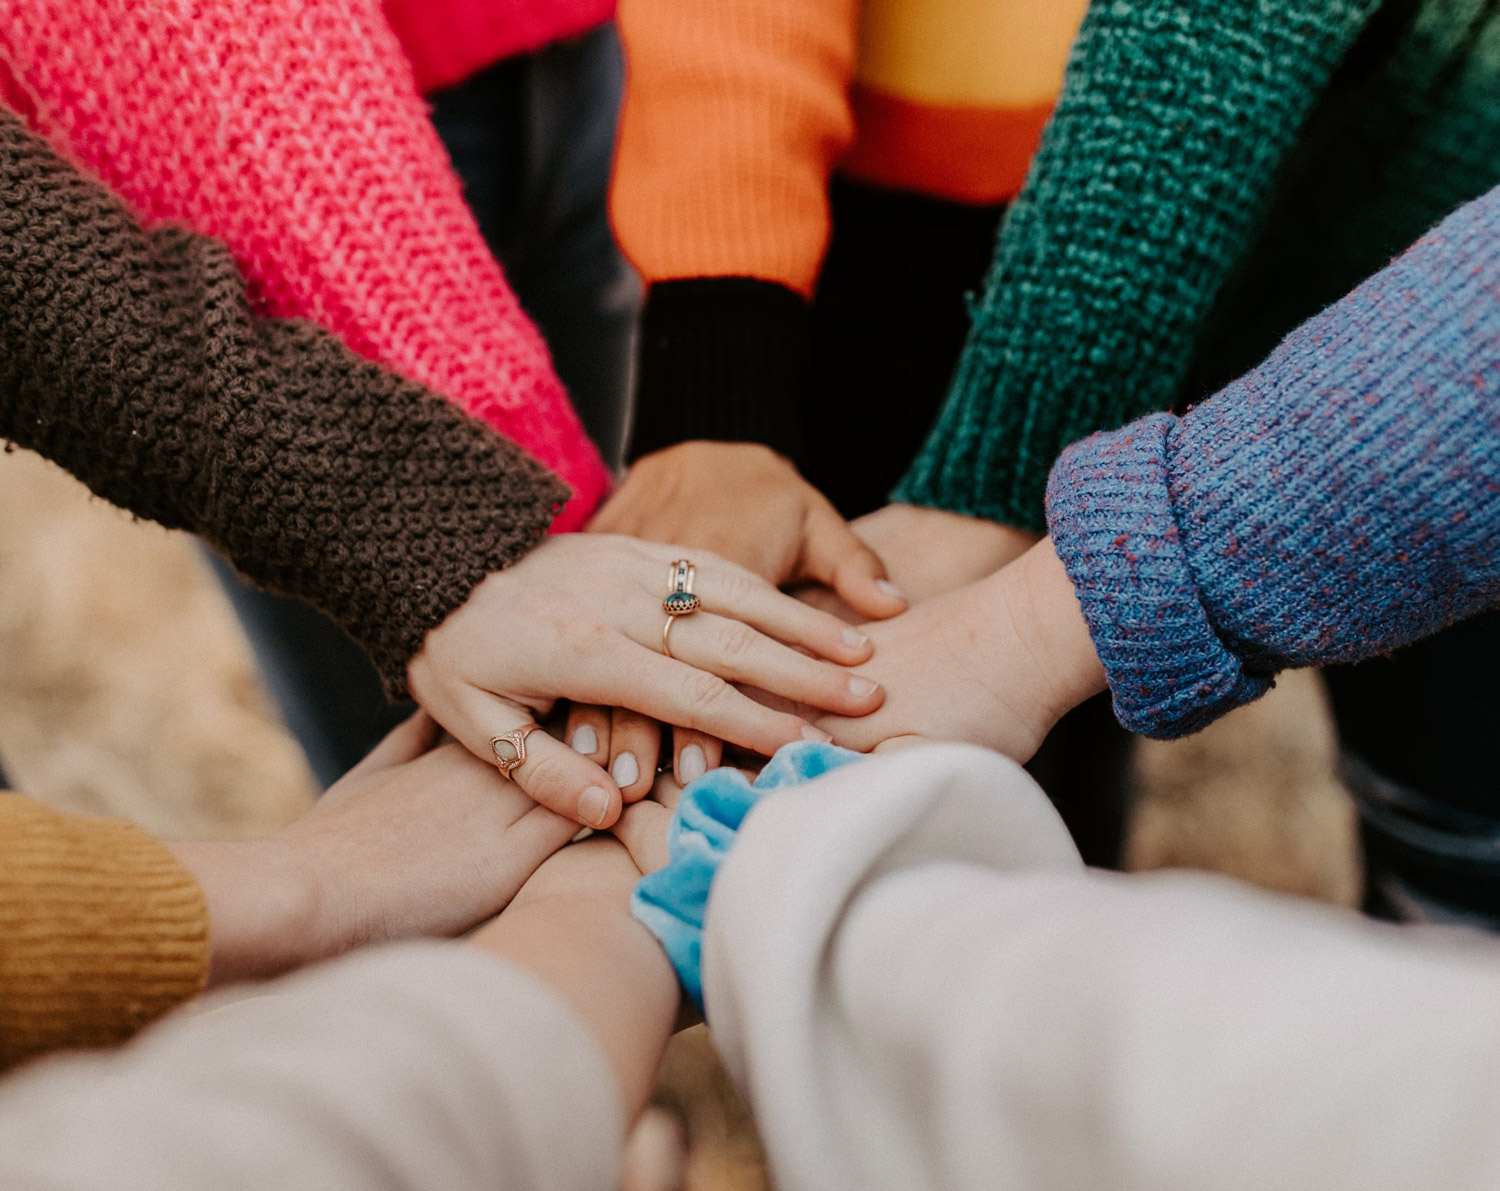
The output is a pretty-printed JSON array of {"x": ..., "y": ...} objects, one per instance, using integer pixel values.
[
  {"x": 101, "y": 930},
  {"x": 737, "y": 111}
]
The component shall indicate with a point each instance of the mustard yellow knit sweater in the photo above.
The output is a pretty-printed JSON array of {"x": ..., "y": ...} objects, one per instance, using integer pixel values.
[{"x": 102, "y": 930}]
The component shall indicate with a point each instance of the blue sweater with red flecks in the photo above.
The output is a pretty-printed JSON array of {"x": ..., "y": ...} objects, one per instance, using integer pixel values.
[{"x": 1340, "y": 500}]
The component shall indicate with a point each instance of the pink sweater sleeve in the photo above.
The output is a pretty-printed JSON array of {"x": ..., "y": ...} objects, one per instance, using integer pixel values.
[{"x": 292, "y": 130}]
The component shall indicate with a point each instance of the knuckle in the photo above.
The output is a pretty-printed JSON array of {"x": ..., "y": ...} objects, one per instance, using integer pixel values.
[
  {"x": 739, "y": 586},
  {"x": 703, "y": 692},
  {"x": 737, "y": 641}
]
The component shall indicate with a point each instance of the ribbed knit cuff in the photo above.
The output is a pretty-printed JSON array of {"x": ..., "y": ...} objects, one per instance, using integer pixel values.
[
  {"x": 722, "y": 358},
  {"x": 102, "y": 930},
  {"x": 1109, "y": 510}
]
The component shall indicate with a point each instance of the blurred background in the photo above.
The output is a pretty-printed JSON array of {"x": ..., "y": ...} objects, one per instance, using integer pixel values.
[{"x": 127, "y": 689}]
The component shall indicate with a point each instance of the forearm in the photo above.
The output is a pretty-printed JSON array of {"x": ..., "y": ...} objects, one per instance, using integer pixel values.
[
  {"x": 422, "y": 1067},
  {"x": 735, "y": 112},
  {"x": 1335, "y": 503},
  {"x": 133, "y": 360},
  {"x": 332, "y": 192},
  {"x": 1160, "y": 155},
  {"x": 583, "y": 944}
]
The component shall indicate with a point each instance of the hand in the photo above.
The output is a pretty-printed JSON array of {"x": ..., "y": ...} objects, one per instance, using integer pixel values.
[
  {"x": 928, "y": 552},
  {"x": 996, "y": 663},
  {"x": 414, "y": 840},
  {"x": 748, "y": 504},
  {"x": 581, "y": 618}
]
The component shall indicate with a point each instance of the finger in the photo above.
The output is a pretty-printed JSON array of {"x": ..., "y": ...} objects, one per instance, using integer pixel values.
[
  {"x": 642, "y": 828},
  {"x": 675, "y": 693},
  {"x": 731, "y": 591},
  {"x": 667, "y": 791},
  {"x": 405, "y": 742},
  {"x": 735, "y": 651},
  {"x": 588, "y": 732},
  {"x": 552, "y": 774},
  {"x": 694, "y": 754},
  {"x": 634, "y": 742},
  {"x": 834, "y": 555}
]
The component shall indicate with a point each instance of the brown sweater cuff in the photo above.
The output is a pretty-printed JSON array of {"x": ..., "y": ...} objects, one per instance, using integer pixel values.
[{"x": 102, "y": 931}]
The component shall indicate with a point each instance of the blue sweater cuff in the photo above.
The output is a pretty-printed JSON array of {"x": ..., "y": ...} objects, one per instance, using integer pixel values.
[
  {"x": 1109, "y": 510},
  {"x": 672, "y": 903}
]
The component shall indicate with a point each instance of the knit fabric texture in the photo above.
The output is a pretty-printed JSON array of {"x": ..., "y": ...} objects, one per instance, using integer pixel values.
[
  {"x": 133, "y": 361},
  {"x": 101, "y": 931},
  {"x": 292, "y": 131},
  {"x": 446, "y": 41},
  {"x": 1339, "y": 501},
  {"x": 1160, "y": 156}
]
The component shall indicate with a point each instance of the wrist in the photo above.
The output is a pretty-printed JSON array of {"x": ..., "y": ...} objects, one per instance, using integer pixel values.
[
  {"x": 264, "y": 909},
  {"x": 1051, "y": 621}
]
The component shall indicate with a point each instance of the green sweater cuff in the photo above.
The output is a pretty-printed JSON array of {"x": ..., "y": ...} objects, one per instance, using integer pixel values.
[{"x": 1159, "y": 159}]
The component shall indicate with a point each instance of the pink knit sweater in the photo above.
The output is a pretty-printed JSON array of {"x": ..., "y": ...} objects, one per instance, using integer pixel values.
[
  {"x": 448, "y": 40},
  {"x": 292, "y": 131}
]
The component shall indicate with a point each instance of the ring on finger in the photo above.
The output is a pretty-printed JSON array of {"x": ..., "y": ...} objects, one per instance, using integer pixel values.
[
  {"x": 510, "y": 749},
  {"x": 680, "y": 600}
]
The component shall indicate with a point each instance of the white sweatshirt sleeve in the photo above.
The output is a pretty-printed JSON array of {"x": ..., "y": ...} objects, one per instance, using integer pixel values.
[
  {"x": 418, "y": 1067},
  {"x": 918, "y": 985}
]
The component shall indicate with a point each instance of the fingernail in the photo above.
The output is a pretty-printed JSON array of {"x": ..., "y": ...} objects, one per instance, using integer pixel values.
[
  {"x": 626, "y": 771},
  {"x": 854, "y": 639},
  {"x": 691, "y": 764},
  {"x": 585, "y": 740},
  {"x": 862, "y": 688},
  {"x": 889, "y": 588},
  {"x": 815, "y": 734},
  {"x": 593, "y": 806}
]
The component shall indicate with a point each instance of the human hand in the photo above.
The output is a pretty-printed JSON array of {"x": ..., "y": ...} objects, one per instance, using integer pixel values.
[
  {"x": 995, "y": 663},
  {"x": 581, "y": 618},
  {"x": 749, "y": 505},
  {"x": 928, "y": 552},
  {"x": 414, "y": 840}
]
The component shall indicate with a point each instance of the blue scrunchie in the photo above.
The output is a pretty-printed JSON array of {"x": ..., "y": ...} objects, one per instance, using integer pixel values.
[{"x": 672, "y": 902}]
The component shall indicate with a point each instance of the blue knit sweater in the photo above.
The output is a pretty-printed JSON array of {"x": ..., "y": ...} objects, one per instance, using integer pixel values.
[{"x": 1340, "y": 500}]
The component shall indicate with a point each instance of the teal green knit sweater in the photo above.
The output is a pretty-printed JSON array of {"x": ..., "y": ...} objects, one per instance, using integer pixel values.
[{"x": 1215, "y": 171}]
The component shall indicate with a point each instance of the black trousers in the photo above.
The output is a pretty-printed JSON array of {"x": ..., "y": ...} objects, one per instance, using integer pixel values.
[{"x": 1420, "y": 732}]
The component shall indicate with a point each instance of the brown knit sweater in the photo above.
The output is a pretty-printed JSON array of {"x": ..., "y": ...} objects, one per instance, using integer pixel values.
[{"x": 133, "y": 360}]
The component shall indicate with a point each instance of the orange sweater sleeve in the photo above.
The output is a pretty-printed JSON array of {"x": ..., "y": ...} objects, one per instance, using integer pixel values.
[
  {"x": 735, "y": 112},
  {"x": 101, "y": 930}
]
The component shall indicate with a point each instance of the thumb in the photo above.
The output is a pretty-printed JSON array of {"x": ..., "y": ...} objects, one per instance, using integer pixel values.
[{"x": 834, "y": 555}]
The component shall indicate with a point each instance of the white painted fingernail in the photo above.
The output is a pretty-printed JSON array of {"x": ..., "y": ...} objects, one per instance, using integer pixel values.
[
  {"x": 626, "y": 771},
  {"x": 585, "y": 740},
  {"x": 862, "y": 688},
  {"x": 814, "y": 734},
  {"x": 593, "y": 805},
  {"x": 889, "y": 588},
  {"x": 691, "y": 764},
  {"x": 854, "y": 639}
]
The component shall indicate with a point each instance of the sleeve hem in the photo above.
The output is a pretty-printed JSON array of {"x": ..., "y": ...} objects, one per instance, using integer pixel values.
[
  {"x": 721, "y": 358},
  {"x": 1112, "y": 523}
]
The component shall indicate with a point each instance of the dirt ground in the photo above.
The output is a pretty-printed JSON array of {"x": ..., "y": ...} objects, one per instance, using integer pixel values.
[{"x": 127, "y": 689}]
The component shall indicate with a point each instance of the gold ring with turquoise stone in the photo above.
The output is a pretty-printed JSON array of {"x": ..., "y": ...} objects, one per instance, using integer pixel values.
[
  {"x": 680, "y": 600},
  {"x": 510, "y": 749}
]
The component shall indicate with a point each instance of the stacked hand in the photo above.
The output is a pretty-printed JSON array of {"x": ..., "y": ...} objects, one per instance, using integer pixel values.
[{"x": 581, "y": 617}]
